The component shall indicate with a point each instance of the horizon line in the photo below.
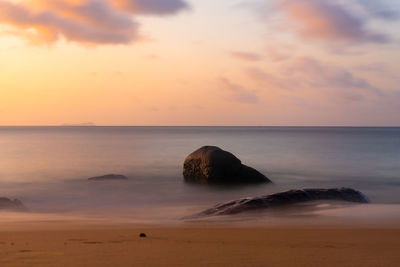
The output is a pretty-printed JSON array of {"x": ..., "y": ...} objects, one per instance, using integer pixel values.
[{"x": 88, "y": 126}]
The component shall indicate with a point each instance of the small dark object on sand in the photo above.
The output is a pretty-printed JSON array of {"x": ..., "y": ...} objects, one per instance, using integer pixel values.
[{"x": 143, "y": 235}]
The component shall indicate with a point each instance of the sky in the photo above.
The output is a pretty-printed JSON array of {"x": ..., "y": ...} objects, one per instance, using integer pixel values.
[{"x": 200, "y": 62}]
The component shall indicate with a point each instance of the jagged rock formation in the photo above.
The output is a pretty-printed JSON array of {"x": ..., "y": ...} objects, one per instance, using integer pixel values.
[
  {"x": 212, "y": 165},
  {"x": 283, "y": 199}
]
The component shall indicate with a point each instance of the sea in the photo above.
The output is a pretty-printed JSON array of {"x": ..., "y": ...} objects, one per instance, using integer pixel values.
[{"x": 47, "y": 168}]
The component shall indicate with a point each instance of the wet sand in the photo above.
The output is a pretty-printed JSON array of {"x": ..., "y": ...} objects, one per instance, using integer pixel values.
[{"x": 200, "y": 245}]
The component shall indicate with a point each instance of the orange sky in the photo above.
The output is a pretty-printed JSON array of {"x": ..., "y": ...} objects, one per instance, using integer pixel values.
[{"x": 175, "y": 62}]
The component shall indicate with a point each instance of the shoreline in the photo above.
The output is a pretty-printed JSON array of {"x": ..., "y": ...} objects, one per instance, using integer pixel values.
[{"x": 334, "y": 215}]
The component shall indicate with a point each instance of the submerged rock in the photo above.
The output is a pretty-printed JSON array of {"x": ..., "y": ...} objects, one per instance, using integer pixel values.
[
  {"x": 109, "y": 177},
  {"x": 283, "y": 199},
  {"x": 212, "y": 165},
  {"x": 9, "y": 204}
]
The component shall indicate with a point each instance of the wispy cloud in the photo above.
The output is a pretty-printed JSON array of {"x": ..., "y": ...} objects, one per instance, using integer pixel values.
[
  {"x": 275, "y": 54},
  {"x": 379, "y": 9},
  {"x": 332, "y": 21},
  {"x": 308, "y": 73},
  {"x": 246, "y": 56},
  {"x": 327, "y": 20},
  {"x": 92, "y": 22},
  {"x": 238, "y": 93},
  {"x": 157, "y": 7},
  {"x": 322, "y": 75}
]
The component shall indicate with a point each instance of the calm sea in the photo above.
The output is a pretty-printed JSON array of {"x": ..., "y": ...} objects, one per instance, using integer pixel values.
[{"x": 47, "y": 167}]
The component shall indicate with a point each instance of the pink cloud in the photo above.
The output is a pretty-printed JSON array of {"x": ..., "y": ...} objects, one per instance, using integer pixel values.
[
  {"x": 276, "y": 55},
  {"x": 310, "y": 74},
  {"x": 246, "y": 56},
  {"x": 159, "y": 7},
  {"x": 238, "y": 93},
  {"x": 92, "y": 22},
  {"x": 327, "y": 20}
]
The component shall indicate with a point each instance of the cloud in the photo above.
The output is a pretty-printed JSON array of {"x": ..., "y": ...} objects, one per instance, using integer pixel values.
[
  {"x": 158, "y": 7},
  {"x": 91, "y": 22},
  {"x": 275, "y": 54},
  {"x": 344, "y": 21},
  {"x": 239, "y": 93},
  {"x": 308, "y": 73},
  {"x": 318, "y": 74},
  {"x": 379, "y": 9},
  {"x": 246, "y": 56},
  {"x": 269, "y": 80}
]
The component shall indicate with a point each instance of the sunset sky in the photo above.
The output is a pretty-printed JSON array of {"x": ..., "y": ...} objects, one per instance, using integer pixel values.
[{"x": 200, "y": 62}]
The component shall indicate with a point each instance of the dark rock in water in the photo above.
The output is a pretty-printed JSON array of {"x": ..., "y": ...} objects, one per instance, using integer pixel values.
[
  {"x": 9, "y": 204},
  {"x": 142, "y": 235},
  {"x": 212, "y": 165},
  {"x": 283, "y": 199},
  {"x": 109, "y": 177}
]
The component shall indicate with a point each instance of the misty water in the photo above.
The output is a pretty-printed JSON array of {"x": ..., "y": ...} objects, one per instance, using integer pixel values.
[{"x": 47, "y": 168}]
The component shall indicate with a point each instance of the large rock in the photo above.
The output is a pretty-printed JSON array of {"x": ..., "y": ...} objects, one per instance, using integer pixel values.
[
  {"x": 212, "y": 165},
  {"x": 283, "y": 199},
  {"x": 109, "y": 177},
  {"x": 9, "y": 204}
]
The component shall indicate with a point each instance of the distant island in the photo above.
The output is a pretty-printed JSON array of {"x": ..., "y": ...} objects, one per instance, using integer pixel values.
[{"x": 79, "y": 124}]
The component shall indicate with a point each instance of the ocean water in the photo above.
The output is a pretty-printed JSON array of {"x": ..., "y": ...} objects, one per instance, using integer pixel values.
[{"x": 47, "y": 168}]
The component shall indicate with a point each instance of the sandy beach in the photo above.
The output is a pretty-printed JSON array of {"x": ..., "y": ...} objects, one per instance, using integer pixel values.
[{"x": 200, "y": 245}]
